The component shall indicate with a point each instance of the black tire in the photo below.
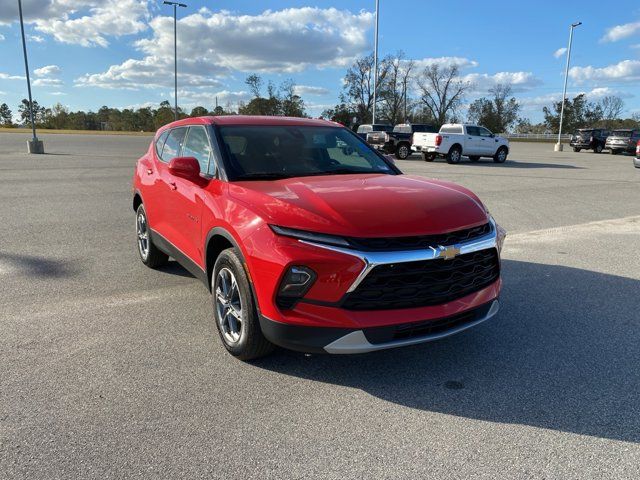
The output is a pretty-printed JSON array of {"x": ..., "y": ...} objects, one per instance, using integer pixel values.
[
  {"x": 403, "y": 150},
  {"x": 454, "y": 155},
  {"x": 614, "y": 152},
  {"x": 151, "y": 256},
  {"x": 598, "y": 148},
  {"x": 474, "y": 158},
  {"x": 251, "y": 343},
  {"x": 428, "y": 157},
  {"x": 501, "y": 155},
  {"x": 576, "y": 149}
]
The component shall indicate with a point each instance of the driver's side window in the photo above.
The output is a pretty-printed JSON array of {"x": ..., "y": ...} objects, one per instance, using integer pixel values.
[
  {"x": 473, "y": 131},
  {"x": 483, "y": 132}
]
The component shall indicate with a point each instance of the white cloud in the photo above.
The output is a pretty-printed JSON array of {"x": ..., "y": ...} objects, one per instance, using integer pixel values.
[
  {"x": 192, "y": 98},
  {"x": 47, "y": 82},
  {"x": 599, "y": 92},
  {"x": 81, "y": 22},
  {"x": 624, "y": 71},
  {"x": 1, "y": 37},
  {"x": 47, "y": 71},
  {"x": 57, "y": 94},
  {"x": 35, "y": 38},
  {"x": 6, "y": 76},
  {"x": 560, "y": 52},
  {"x": 461, "y": 62},
  {"x": 211, "y": 45},
  {"x": 519, "y": 81},
  {"x": 310, "y": 90},
  {"x": 619, "y": 32}
]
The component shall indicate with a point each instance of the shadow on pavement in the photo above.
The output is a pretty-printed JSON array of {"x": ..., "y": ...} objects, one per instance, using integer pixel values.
[
  {"x": 562, "y": 354},
  {"x": 39, "y": 266}
]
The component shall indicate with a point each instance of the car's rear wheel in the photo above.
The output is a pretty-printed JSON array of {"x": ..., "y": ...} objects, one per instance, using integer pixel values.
[
  {"x": 576, "y": 149},
  {"x": 427, "y": 157},
  {"x": 234, "y": 309},
  {"x": 454, "y": 155},
  {"x": 403, "y": 151},
  {"x": 598, "y": 149},
  {"x": 501, "y": 155},
  {"x": 474, "y": 158},
  {"x": 150, "y": 255}
]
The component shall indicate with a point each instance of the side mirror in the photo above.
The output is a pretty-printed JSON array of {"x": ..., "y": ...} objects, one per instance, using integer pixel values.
[
  {"x": 185, "y": 167},
  {"x": 493, "y": 135}
]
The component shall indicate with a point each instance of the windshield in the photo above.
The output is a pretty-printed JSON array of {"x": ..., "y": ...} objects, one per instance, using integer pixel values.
[
  {"x": 272, "y": 152},
  {"x": 621, "y": 133}
]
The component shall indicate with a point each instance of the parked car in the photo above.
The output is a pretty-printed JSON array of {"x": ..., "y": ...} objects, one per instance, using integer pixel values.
[
  {"x": 366, "y": 128},
  {"x": 308, "y": 248},
  {"x": 589, "y": 139},
  {"x": 623, "y": 141},
  {"x": 399, "y": 141},
  {"x": 456, "y": 139},
  {"x": 636, "y": 161}
]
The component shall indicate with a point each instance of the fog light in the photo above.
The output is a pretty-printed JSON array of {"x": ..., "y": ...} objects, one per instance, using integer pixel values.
[{"x": 295, "y": 284}]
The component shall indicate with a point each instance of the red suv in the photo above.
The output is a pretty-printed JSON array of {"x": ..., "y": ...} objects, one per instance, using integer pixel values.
[{"x": 310, "y": 239}]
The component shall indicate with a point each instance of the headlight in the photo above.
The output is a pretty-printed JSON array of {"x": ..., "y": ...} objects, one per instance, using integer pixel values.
[{"x": 310, "y": 236}]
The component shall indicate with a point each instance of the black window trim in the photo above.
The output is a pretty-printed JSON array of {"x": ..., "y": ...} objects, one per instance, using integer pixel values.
[{"x": 206, "y": 173}]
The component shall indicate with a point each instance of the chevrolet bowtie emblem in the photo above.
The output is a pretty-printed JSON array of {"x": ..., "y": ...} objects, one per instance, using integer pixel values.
[{"x": 447, "y": 253}]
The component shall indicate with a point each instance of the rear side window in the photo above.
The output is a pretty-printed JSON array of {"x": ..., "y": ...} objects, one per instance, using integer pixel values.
[
  {"x": 454, "y": 129},
  {"x": 173, "y": 144},
  {"x": 404, "y": 129},
  {"x": 473, "y": 131},
  {"x": 197, "y": 146},
  {"x": 160, "y": 142}
]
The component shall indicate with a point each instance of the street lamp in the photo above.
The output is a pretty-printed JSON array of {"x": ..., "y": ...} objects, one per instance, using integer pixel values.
[
  {"x": 375, "y": 63},
  {"x": 34, "y": 145},
  {"x": 175, "y": 52},
  {"x": 558, "y": 147}
]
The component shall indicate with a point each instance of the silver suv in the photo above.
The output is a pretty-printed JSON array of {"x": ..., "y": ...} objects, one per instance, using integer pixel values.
[{"x": 623, "y": 140}]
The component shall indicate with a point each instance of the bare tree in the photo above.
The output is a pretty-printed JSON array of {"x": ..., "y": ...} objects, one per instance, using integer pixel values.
[
  {"x": 393, "y": 90},
  {"x": 254, "y": 82},
  {"x": 358, "y": 87},
  {"x": 612, "y": 107},
  {"x": 441, "y": 90}
]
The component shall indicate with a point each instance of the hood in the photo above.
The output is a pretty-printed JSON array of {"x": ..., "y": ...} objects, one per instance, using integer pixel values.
[{"x": 363, "y": 205}]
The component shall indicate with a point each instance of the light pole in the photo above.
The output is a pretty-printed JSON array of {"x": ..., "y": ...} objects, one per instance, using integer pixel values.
[
  {"x": 558, "y": 147},
  {"x": 34, "y": 145},
  {"x": 175, "y": 52},
  {"x": 375, "y": 63}
]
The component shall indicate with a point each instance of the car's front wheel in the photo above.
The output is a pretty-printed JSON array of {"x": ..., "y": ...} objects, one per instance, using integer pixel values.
[
  {"x": 598, "y": 149},
  {"x": 150, "y": 255},
  {"x": 576, "y": 149},
  {"x": 501, "y": 155},
  {"x": 403, "y": 151},
  {"x": 235, "y": 311}
]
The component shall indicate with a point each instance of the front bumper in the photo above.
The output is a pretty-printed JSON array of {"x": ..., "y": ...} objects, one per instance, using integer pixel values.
[{"x": 351, "y": 341}]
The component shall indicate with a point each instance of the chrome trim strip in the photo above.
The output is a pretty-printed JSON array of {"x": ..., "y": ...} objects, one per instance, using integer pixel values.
[
  {"x": 373, "y": 259},
  {"x": 356, "y": 342}
]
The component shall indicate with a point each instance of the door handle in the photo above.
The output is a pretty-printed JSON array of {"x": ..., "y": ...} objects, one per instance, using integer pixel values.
[{"x": 173, "y": 186}]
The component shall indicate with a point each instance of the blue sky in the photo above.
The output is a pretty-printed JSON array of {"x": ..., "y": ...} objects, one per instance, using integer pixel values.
[{"x": 88, "y": 53}]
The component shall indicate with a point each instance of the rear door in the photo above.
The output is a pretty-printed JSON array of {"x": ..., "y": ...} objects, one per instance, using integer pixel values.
[{"x": 472, "y": 145}]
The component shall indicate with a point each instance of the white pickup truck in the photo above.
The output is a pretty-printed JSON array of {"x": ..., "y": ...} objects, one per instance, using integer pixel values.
[{"x": 457, "y": 139}]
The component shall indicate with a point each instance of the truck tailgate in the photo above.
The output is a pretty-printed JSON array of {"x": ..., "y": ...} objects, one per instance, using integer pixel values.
[{"x": 424, "y": 139}]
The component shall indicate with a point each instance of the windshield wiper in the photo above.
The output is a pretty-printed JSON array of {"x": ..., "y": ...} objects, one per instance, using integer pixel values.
[{"x": 262, "y": 176}]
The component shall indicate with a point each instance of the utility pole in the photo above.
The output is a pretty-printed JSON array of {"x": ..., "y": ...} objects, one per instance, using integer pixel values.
[
  {"x": 375, "y": 63},
  {"x": 175, "y": 52},
  {"x": 558, "y": 146},
  {"x": 34, "y": 145}
]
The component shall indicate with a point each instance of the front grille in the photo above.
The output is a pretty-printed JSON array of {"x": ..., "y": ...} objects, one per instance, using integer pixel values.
[
  {"x": 420, "y": 242},
  {"x": 424, "y": 283}
]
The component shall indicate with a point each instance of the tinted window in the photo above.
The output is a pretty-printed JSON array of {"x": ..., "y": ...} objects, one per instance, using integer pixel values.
[
  {"x": 383, "y": 128},
  {"x": 364, "y": 128},
  {"x": 456, "y": 129},
  {"x": 197, "y": 145},
  {"x": 173, "y": 144},
  {"x": 404, "y": 129},
  {"x": 268, "y": 152},
  {"x": 483, "y": 132},
  {"x": 474, "y": 131},
  {"x": 160, "y": 142}
]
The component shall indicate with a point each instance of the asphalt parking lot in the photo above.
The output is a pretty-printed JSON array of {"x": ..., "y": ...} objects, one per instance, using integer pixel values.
[{"x": 111, "y": 370}]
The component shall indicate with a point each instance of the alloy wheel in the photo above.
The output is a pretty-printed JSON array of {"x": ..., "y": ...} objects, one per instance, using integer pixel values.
[
  {"x": 228, "y": 306},
  {"x": 143, "y": 235}
]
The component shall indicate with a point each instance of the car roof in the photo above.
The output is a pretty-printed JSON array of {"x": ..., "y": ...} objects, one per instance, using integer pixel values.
[{"x": 250, "y": 120}]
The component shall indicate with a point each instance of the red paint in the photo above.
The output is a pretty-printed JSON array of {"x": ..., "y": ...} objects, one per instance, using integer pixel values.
[{"x": 185, "y": 207}]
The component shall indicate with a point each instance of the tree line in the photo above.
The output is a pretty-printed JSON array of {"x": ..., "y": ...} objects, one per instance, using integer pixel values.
[{"x": 435, "y": 94}]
